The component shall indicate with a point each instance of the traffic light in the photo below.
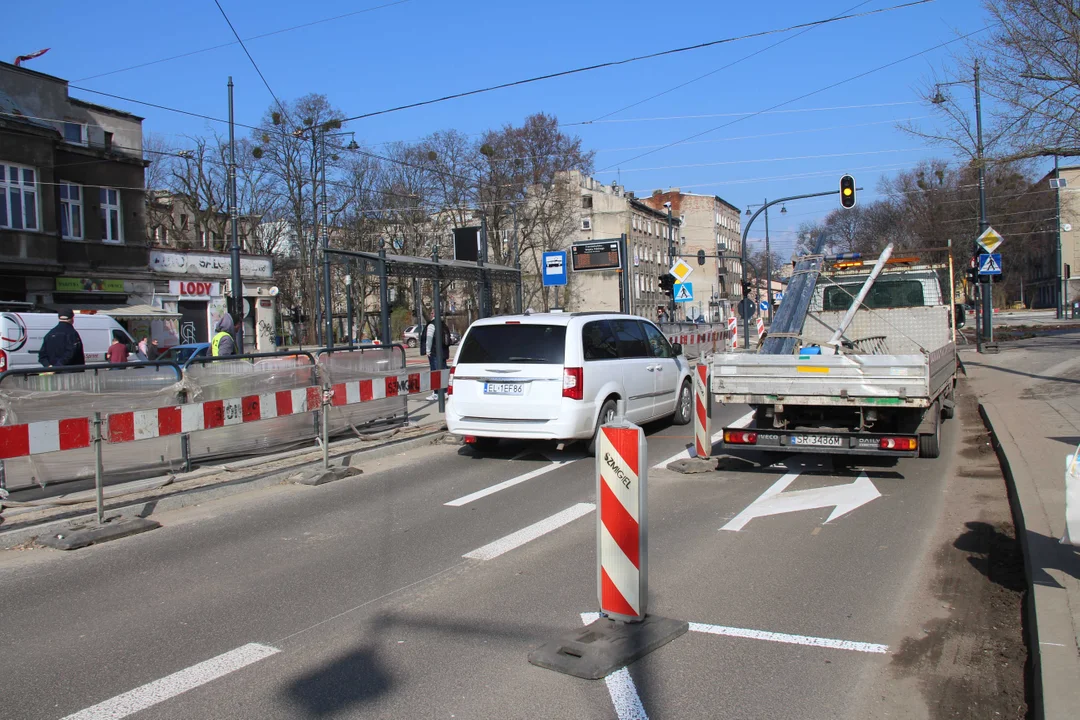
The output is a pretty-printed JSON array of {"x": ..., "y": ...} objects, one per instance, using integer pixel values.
[
  {"x": 667, "y": 284},
  {"x": 847, "y": 191},
  {"x": 700, "y": 257}
]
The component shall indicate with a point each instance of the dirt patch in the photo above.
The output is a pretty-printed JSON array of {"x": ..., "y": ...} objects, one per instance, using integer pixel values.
[{"x": 969, "y": 656}]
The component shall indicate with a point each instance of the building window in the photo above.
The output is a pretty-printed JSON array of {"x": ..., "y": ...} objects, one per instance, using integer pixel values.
[
  {"x": 71, "y": 217},
  {"x": 586, "y": 202},
  {"x": 75, "y": 133},
  {"x": 586, "y": 224},
  {"x": 108, "y": 141},
  {"x": 183, "y": 221},
  {"x": 18, "y": 197},
  {"x": 112, "y": 229}
]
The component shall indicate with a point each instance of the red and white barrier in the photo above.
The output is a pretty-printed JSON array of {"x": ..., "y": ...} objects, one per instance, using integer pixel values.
[
  {"x": 73, "y": 433},
  {"x": 702, "y": 412},
  {"x": 760, "y": 329},
  {"x": 621, "y": 464},
  {"x": 733, "y": 331}
]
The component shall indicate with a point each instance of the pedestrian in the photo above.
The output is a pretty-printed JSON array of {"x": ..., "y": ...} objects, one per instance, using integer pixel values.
[
  {"x": 143, "y": 352},
  {"x": 62, "y": 345},
  {"x": 155, "y": 351},
  {"x": 223, "y": 343},
  {"x": 117, "y": 352},
  {"x": 436, "y": 360}
]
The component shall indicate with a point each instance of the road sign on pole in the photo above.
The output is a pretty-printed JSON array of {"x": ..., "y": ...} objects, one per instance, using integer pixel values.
[
  {"x": 684, "y": 292},
  {"x": 681, "y": 270},
  {"x": 764, "y": 305},
  {"x": 990, "y": 264},
  {"x": 989, "y": 240},
  {"x": 554, "y": 268}
]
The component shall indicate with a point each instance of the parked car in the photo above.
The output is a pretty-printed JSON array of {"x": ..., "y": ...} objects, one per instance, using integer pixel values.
[
  {"x": 411, "y": 336},
  {"x": 557, "y": 376},
  {"x": 182, "y": 355},
  {"x": 21, "y": 334}
]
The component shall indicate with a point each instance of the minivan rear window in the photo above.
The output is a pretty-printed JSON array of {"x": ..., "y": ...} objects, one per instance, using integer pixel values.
[{"x": 517, "y": 344}]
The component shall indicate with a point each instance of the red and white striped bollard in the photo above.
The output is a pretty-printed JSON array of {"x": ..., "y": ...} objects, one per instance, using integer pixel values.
[
  {"x": 621, "y": 566},
  {"x": 702, "y": 412}
]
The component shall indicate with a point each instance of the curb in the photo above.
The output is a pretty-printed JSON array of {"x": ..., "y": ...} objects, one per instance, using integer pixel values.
[
  {"x": 1052, "y": 670},
  {"x": 144, "y": 508}
]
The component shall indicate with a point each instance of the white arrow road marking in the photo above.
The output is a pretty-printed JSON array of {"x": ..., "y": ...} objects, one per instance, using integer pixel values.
[
  {"x": 775, "y": 501},
  {"x": 689, "y": 451},
  {"x": 624, "y": 694},
  {"x": 538, "y": 529},
  {"x": 555, "y": 465},
  {"x": 172, "y": 685}
]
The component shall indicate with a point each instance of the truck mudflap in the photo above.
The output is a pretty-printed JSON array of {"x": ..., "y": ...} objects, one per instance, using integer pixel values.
[{"x": 837, "y": 443}]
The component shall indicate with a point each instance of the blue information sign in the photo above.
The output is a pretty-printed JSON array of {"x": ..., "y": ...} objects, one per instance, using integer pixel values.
[
  {"x": 554, "y": 268},
  {"x": 684, "y": 292}
]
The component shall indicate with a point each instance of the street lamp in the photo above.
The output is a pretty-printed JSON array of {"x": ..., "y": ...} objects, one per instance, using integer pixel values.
[{"x": 986, "y": 328}]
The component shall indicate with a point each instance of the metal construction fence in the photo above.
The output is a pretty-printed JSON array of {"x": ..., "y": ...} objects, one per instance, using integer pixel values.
[
  {"x": 50, "y": 422},
  {"x": 696, "y": 338}
]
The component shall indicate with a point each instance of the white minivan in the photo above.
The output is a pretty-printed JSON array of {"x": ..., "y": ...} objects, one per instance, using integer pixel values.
[
  {"x": 21, "y": 334},
  {"x": 557, "y": 376}
]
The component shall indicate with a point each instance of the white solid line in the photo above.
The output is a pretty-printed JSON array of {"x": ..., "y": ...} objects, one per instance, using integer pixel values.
[
  {"x": 172, "y": 685},
  {"x": 624, "y": 694},
  {"x": 685, "y": 454},
  {"x": 519, "y": 538},
  {"x": 790, "y": 639},
  {"x": 507, "y": 483}
]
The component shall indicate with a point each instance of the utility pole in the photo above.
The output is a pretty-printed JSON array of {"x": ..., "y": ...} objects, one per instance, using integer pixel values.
[
  {"x": 518, "y": 299},
  {"x": 768, "y": 262},
  {"x": 1060, "y": 291},
  {"x": 987, "y": 292},
  {"x": 671, "y": 255},
  {"x": 234, "y": 249},
  {"x": 328, "y": 303}
]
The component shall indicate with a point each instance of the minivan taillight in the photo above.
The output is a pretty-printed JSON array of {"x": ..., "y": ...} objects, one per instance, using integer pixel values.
[
  {"x": 450, "y": 382},
  {"x": 3, "y": 361},
  {"x": 573, "y": 386}
]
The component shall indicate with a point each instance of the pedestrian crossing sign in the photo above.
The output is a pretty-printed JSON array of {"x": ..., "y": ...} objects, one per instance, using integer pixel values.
[
  {"x": 990, "y": 264},
  {"x": 684, "y": 292}
]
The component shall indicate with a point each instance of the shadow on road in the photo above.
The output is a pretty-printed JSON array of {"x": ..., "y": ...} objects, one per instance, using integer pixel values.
[
  {"x": 994, "y": 553},
  {"x": 346, "y": 682}
]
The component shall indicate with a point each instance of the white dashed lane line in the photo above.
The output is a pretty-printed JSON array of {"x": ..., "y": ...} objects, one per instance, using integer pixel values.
[
  {"x": 178, "y": 683},
  {"x": 538, "y": 529}
]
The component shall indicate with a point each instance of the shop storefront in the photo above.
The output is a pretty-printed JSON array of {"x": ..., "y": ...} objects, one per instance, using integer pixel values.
[
  {"x": 195, "y": 286},
  {"x": 128, "y": 301}
]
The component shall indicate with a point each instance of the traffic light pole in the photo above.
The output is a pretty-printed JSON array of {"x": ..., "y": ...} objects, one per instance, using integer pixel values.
[
  {"x": 746, "y": 231},
  {"x": 671, "y": 258}
]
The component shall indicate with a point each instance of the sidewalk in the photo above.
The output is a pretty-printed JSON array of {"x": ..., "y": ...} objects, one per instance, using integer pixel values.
[
  {"x": 1030, "y": 399},
  {"x": 35, "y": 511}
]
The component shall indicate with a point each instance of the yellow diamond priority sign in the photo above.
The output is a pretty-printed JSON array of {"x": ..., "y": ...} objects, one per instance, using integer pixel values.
[
  {"x": 681, "y": 270},
  {"x": 990, "y": 240}
]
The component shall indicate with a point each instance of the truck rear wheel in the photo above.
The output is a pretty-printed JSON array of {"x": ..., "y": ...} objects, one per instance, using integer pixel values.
[{"x": 930, "y": 445}]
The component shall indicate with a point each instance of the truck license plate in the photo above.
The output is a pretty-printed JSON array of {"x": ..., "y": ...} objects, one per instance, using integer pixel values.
[
  {"x": 818, "y": 440},
  {"x": 504, "y": 388}
]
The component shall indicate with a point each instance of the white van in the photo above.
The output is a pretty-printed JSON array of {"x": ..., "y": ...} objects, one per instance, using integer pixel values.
[
  {"x": 21, "y": 334},
  {"x": 557, "y": 376}
]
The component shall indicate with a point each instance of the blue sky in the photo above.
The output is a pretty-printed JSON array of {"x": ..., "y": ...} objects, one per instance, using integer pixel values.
[{"x": 419, "y": 49}]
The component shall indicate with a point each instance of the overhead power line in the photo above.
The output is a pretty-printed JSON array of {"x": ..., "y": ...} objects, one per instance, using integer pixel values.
[
  {"x": 625, "y": 61},
  {"x": 737, "y": 114},
  {"x": 805, "y": 95},
  {"x": 253, "y": 63},
  {"x": 731, "y": 64},
  {"x": 253, "y": 37}
]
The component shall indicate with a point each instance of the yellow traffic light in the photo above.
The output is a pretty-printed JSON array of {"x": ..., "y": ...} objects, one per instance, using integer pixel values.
[{"x": 847, "y": 191}]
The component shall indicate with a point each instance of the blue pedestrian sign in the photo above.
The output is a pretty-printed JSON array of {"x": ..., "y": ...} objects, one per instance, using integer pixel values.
[
  {"x": 554, "y": 268},
  {"x": 684, "y": 292},
  {"x": 777, "y": 296},
  {"x": 990, "y": 264}
]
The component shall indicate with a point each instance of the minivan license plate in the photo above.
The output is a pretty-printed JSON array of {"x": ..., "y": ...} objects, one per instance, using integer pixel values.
[
  {"x": 819, "y": 440},
  {"x": 504, "y": 388}
]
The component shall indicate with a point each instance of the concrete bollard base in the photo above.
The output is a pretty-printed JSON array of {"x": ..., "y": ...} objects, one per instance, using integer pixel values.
[
  {"x": 600, "y": 648},
  {"x": 691, "y": 466},
  {"x": 321, "y": 477},
  {"x": 113, "y": 529}
]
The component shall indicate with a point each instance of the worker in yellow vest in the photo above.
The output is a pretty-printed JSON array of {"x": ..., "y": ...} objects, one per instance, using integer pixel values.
[{"x": 222, "y": 343}]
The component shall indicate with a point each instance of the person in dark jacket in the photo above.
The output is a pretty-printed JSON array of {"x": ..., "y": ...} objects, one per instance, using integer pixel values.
[{"x": 62, "y": 345}]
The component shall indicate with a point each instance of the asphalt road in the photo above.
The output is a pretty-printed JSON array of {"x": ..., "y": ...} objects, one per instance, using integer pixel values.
[{"x": 353, "y": 599}]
